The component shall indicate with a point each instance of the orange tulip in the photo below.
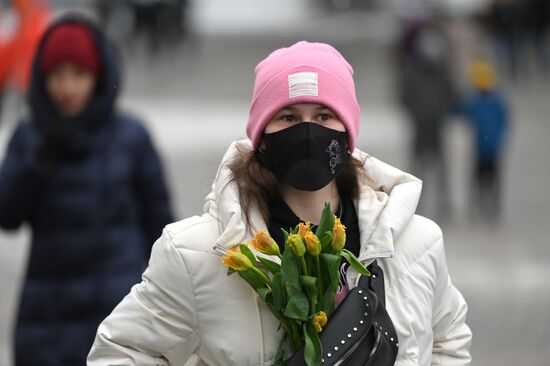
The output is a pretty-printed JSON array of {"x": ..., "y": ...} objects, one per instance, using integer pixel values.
[
  {"x": 236, "y": 260},
  {"x": 265, "y": 244},
  {"x": 304, "y": 228},
  {"x": 312, "y": 243},
  {"x": 338, "y": 235}
]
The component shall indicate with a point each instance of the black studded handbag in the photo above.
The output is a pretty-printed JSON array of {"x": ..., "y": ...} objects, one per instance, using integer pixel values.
[{"x": 360, "y": 331}]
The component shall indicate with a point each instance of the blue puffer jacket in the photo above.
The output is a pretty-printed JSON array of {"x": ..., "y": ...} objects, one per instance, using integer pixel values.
[
  {"x": 95, "y": 213},
  {"x": 488, "y": 114}
]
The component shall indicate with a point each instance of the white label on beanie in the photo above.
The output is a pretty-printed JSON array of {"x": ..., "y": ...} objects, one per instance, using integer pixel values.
[{"x": 302, "y": 84}]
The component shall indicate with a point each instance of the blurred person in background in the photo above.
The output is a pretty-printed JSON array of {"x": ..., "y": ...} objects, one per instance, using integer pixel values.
[
  {"x": 487, "y": 112},
  {"x": 538, "y": 12},
  {"x": 26, "y": 20},
  {"x": 161, "y": 23},
  {"x": 7, "y": 29},
  {"x": 30, "y": 20},
  {"x": 90, "y": 184},
  {"x": 428, "y": 96},
  {"x": 303, "y": 125},
  {"x": 507, "y": 22}
]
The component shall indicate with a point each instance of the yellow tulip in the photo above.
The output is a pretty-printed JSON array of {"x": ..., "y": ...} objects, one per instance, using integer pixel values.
[
  {"x": 319, "y": 321},
  {"x": 312, "y": 243},
  {"x": 304, "y": 228},
  {"x": 265, "y": 244},
  {"x": 338, "y": 235},
  {"x": 236, "y": 260},
  {"x": 296, "y": 244}
]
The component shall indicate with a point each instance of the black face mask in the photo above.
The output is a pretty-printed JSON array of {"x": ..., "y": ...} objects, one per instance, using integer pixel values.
[{"x": 306, "y": 156}]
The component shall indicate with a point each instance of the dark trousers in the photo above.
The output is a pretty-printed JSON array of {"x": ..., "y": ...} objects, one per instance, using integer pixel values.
[
  {"x": 486, "y": 190},
  {"x": 429, "y": 164}
]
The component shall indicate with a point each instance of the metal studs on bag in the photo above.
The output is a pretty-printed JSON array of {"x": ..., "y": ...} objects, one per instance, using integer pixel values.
[{"x": 348, "y": 337}]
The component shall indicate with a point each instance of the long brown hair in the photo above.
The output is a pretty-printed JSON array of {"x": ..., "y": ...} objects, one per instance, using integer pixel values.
[{"x": 258, "y": 186}]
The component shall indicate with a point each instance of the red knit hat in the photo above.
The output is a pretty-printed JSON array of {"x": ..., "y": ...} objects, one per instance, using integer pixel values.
[{"x": 71, "y": 43}]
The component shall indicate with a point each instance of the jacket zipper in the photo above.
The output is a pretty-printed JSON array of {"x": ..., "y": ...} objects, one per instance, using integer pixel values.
[{"x": 220, "y": 249}]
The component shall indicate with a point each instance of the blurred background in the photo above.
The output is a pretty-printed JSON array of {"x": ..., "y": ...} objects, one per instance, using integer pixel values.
[{"x": 188, "y": 69}]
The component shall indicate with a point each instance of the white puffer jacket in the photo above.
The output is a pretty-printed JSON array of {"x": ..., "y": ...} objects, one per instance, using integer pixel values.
[{"x": 187, "y": 309}]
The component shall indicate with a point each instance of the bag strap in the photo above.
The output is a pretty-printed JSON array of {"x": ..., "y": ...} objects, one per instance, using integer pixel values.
[{"x": 375, "y": 282}]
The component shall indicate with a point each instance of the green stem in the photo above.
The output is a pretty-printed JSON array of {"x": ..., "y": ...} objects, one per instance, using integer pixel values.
[
  {"x": 289, "y": 330},
  {"x": 311, "y": 306},
  {"x": 262, "y": 275},
  {"x": 304, "y": 267},
  {"x": 279, "y": 358},
  {"x": 319, "y": 277},
  {"x": 296, "y": 337},
  {"x": 306, "y": 273}
]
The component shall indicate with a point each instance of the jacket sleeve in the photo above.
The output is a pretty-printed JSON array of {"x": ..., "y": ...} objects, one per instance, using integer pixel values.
[
  {"x": 152, "y": 190},
  {"x": 156, "y": 324},
  {"x": 451, "y": 335},
  {"x": 21, "y": 179}
]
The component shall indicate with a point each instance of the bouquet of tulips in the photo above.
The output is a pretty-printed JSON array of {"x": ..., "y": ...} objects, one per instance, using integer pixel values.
[{"x": 299, "y": 285}]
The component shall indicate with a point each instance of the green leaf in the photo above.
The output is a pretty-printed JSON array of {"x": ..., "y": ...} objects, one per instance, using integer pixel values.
[
  {"x": 313, "y": 350},
  {"x": 297, "y": 307},
  {"x": 246, "y": 251},
  {"x": 230, "y": 271},
  {"x": 290, "y": 273},
  {"x": 326, "y": 223},
  {"x": 330, "y": 264},
  {"x": 270, "y": 265},
  {"x": 280, "y": 355},
  {"x": 310, "y": 285},
  {"x": 290, "y": 290},
  {"x": 295, "y": 334},
  {"x": 354, "y": 262},
  {"x": 252, "y": 278},
  {"x": 279, "y": 297},
  {"x": 285, "y": 234},
  {"x": 325, "y": 240},
  {"x": 308, "y": 281},
  {"x": 264, "y": 294}
]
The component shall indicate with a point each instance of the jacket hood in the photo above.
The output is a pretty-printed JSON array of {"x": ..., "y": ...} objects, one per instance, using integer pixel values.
[
  {"x": 99, "y": 109},
  {"x": 386, "y": 204}
]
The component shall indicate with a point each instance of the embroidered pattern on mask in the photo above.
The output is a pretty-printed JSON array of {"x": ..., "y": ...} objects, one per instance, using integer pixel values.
[{"x": 335, "y": 155}]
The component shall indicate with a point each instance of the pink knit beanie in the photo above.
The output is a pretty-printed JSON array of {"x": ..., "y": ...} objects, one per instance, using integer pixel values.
[{"x": 303, "y": 73}]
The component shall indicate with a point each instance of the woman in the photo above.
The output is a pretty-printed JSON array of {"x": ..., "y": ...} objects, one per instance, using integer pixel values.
[
  {"x": 89, "y": 182},
  {"x": 303, "y": 114}
]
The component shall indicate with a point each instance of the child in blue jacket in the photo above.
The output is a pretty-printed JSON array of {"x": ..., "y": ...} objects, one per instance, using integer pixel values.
[{"x": 487, "y": 111}]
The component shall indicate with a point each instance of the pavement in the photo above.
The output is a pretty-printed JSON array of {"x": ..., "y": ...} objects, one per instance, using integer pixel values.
[{"x": 195, "y": 98}]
